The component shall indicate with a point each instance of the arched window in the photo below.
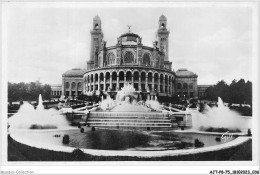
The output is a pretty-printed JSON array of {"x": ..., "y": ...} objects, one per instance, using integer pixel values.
[
  {"x": 121, "y": 76},
  {"x": 67, "y": 85},
  {"x": 107, "y": 76},
  {"x": 96, "y": 77},
  {"x": 179, "y": 86},
  {"x": 163, "y": 25},
  {"x": 136, "y": 76},
  {"x": 114, "y": 76},
  {"x": 150, "y": 77},
  {"x": 79, "y": 85},
  {"x": 111, "y": 59},
  {"x": 101, "y": 76},
  {"x": 146, "y": 59},
  {"x": 128, "y": 76},
  {"x": 161, "y": 78},
  {"x": 96, "y": 26},
  {"x": 73, "y": 85},
  {"x": 128, "y": 58},
  {"x": 156, "y": 77},
  {"x": 143, "y": 76},
  {"x": 91, "y": 78}
]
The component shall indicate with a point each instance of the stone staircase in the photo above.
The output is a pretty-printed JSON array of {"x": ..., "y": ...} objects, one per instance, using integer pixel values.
[{"x": 126, "y": 119}]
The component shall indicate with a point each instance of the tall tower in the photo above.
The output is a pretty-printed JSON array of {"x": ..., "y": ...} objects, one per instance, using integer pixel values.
[
  {"x": 163, "y": 37},
  {"x": 96, "y": 41}
]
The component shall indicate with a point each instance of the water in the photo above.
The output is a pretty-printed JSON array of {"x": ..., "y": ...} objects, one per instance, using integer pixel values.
[
  {"x": 217, "y": 117},
  {"x": 40, "y": 106},
  {"x": 28, "y": 116},
  {"x": 105, "y": 139},
  {"x": 108, "y": 103},
  {"x": 127, "y": 90},
  {"x": 127, "y": 100},
  {"x": 154, "y": 104}
]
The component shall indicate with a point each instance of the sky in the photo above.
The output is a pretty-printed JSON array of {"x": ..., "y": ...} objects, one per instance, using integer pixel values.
[{"x": 213, "y": 42}]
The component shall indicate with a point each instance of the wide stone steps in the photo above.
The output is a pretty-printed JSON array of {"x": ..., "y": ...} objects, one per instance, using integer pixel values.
[
  {"x": 134, "y": 124},
  {"x": 128, "y": 114},
  {"x": 126, "y": 119},
  {"x": 183, "y": 123},
  {"x": 132, "y": 117}
]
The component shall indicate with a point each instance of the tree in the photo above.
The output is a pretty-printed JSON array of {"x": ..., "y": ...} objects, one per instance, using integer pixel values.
[
  {"x": 28, "y": 91},
  {"x": 237, "y": 92}
]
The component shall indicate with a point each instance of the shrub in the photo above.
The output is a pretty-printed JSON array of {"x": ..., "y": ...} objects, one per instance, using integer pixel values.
[
  {"x": 77, "y": 154},
  {"x": 249, "y": 132},
  {"x": 218, "y": 139},
  {"x": 82, "y": 130},
  {"x": 198, "y": 143},
  {"x": 66, "y": 139}
]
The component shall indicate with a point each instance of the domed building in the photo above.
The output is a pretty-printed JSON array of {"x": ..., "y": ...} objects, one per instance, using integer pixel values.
[
  {"x": 148, "y": 69},
  {"x": 72, "y": 81}
]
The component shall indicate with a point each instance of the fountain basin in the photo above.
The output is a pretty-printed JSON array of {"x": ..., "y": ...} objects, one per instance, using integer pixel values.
[
  {"x": 136, "y": 152},
  {"x": 113, "y": 139}
]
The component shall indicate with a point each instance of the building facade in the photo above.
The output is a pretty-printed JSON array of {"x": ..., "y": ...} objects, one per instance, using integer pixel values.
[
  {"x": 56, "y": 90},
  {"x": 72, "y": 83},
  {"x": 148, "y": 69}
]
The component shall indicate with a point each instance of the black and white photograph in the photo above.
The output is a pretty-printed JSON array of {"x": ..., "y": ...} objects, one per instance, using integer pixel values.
[{"x": 130, "y": 83}]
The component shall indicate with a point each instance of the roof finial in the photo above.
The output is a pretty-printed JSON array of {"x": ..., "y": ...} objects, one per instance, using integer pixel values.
[{"x": 129, "y": 27}]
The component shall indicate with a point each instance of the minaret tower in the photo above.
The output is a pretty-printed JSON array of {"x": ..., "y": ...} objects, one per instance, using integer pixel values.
[
  {"x": 163, "y": 37},
  {"x": 96, "y": 42}
]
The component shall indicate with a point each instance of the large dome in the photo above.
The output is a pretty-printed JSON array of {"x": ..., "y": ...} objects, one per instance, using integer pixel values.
[
  {"x": 74, "y": 73},
  {"x": 130, "y": 38},
  {"x": 130, "y": 34},
  {"x": 184, "y": 73}
]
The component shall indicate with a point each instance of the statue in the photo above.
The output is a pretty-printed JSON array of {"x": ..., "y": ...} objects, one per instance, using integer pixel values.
[
  {"x": 155, "y": 44},
  {"x": 140, "y": 40},
  {"x": 119, "y": 41},
  {"x": 104, "y": 44}
]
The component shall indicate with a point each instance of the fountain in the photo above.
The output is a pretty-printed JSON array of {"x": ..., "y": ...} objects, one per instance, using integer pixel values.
[
  {"x": 127, "y": 111},
  {"x": 219, "y": 117},
  {"x": 124, "y": 112},
  {"x": 27, "y": 117},
  {"x": 40, "y": 106},
  {"x": 107, "y": 104}
]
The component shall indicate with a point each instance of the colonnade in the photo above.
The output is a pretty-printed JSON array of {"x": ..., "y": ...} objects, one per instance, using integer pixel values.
[{"x": 148, "y": 81}]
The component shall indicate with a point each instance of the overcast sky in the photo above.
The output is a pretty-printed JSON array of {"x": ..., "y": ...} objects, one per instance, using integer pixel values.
[{"x": 213, "y": 42}]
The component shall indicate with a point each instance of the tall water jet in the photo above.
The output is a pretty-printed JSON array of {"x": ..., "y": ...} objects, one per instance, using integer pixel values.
[
  {"x": 40, "y": 103},
  {"x": 126, "y": 101},
  {"x": 154, "y": 104},
  {"x": 108, "y": 103},
  {"x": 220, "y": 103},
  {"x": 219, "y": 117},
  {"x": 27, "y": 116}
]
